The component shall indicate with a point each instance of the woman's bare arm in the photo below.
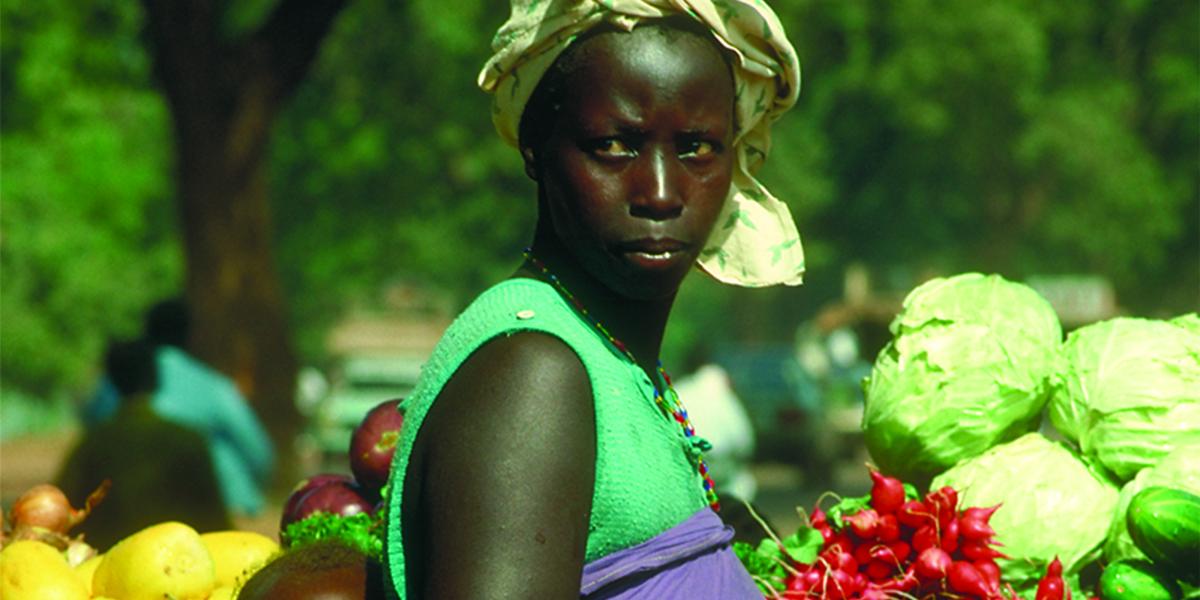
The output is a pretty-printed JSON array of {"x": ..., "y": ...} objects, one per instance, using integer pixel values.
[{"x": 506, "y": 475}]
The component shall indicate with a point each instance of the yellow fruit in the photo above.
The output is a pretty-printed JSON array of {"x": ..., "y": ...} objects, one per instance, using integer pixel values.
[
  {"x": 224, "y": 592},
  {"x": 167, "y": 560},
  {"x": 238, "y": 554},
  {"x": 86, "y": 570},
  {"x": 31, "y": 570}
]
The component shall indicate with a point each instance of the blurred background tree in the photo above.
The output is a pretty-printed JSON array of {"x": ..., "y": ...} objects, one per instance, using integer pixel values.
[
  {"x": 226, "y": 69},
  {"x": 1016, "y": 137},
  {"x": 87, "y": 228}
]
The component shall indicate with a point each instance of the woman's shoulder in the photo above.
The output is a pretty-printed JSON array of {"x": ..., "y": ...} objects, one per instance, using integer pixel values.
[
  {"x": 518, "y": 317},
  {"x": 522, "y": 368},
  {"x": 514, "y": 303}
]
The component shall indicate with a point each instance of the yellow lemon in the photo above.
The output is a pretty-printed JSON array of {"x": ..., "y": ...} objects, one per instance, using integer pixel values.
[
  {"x": 167, "y": 560},
  {"x": 238, "y": 554},
  {"x": 31, "y": 570},
  {"x": 86, "y": 570},
  {"x": 224, "y": 592}
]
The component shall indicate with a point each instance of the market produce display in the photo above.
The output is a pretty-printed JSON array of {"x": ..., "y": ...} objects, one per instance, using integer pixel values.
[
  {"x": 1180, "y": 469},
  {"x": 41, "y": 560},
  {"x": 972, "y": 362},
  {"x": 1051, "y": 505},
  {"x": 1011, "y": 464},
  {"x": 1083, "y": 453},
  {"x": 336, "y": 506},
  {"x": 1131, "y": 392},
  {"x": 891, "y": 544}
]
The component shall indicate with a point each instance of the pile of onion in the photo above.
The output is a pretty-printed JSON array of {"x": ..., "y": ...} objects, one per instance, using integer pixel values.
[{"x": 372, "y": 447}]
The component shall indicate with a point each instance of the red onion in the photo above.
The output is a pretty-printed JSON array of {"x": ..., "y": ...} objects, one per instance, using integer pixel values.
[
  {"x": 373, "y": 444},
  {"x": 334, "y": 497},
  {"x": 303, "y": 487}
]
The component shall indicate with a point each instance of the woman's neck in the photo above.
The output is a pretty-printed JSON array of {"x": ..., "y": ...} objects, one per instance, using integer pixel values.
[{"x": 638, "y": 324}]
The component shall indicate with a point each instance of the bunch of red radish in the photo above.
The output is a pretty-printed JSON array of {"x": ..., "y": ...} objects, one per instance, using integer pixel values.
[{"x": 902, "y": 546}]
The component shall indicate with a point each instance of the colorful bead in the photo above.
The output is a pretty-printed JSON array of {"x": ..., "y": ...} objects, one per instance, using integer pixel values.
[{"x": 674, "y": 411}]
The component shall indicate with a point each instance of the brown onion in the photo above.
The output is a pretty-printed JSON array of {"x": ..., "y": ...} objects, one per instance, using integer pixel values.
[{"x": 43, "y": 506}]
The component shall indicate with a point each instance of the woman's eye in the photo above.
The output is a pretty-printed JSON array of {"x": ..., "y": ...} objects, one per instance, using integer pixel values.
[
  {"x": 698, "y": 149},
  {"x": 611, "y": 148}
]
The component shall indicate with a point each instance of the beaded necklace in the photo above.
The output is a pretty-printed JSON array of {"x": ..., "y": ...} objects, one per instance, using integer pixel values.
[{"x": 673, "y": 409}]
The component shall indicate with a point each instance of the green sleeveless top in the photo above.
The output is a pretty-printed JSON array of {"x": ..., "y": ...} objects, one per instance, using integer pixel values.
[{"x": 645, "y": 480}]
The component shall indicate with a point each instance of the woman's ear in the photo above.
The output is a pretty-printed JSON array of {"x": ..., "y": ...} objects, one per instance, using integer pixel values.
[{"x": 530, "y": 162}]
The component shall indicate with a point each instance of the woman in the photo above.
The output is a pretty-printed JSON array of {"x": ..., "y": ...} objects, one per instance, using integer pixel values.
[{"x": 544, "y": 453}]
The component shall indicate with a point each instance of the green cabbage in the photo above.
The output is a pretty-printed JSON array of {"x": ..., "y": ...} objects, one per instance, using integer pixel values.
[
  {"x": 1131, "y": 391},
  {"x": 1189, "y": 321},
  {"x": 1178, "y": 469},
  {"x": 1051, "y": 504},
  {"x": 971, "y": 364}
]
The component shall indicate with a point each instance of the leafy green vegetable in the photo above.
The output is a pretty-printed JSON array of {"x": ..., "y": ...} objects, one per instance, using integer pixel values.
[
  {"x": 363, "y": 531},
  {"x": 1131, "y": 391},
  {"x": 1052, "y": 504},
  {"x": 763, "y": 563},
  {"x": 972, "y": 362}
]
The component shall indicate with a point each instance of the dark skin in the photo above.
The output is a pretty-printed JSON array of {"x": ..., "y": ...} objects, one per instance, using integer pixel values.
[{"x": 631, "y": 179}]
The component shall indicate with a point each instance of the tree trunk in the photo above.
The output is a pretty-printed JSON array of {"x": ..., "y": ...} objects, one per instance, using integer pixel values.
[
  {"x": 223, "y": 95},
  {"x": 232, "y": 283}
]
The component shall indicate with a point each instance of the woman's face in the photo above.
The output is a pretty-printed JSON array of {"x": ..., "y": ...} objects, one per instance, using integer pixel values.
[{"x": 639, "y": 162}]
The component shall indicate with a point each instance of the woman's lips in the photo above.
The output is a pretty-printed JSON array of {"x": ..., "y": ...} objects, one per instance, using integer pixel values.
[{"x": 654, "y": 254}]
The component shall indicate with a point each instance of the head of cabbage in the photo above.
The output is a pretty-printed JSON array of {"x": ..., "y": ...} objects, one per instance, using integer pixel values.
[
  {"x": 1130, "y": 392},
  {"x": 1052, "y": 503},
  {"x": 971, "y": 364}
]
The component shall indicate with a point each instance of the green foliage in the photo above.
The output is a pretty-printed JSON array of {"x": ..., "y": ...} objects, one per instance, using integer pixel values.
[
  {"x": 763, "y": 563},
  {"x": 1013, "y": 137},
  {"x": 362, "y": 531},
  {"x": 386, "y": 168},
  {"x": 86, "y": 221}
]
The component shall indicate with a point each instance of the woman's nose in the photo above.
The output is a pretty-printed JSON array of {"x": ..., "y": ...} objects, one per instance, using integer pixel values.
[{"x": 657, "y": 194}]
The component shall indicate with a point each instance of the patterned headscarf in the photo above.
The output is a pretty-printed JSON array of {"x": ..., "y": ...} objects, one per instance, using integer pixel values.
[{"x": 755, "y": 242}]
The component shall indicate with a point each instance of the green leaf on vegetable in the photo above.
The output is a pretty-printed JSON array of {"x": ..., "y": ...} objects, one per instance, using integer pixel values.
[
  {"x": 845, "y": 508},
  {"x": 910, "y": 492},
  {"x": 363, "y": 531},
  {"x": 762, "y": 563},
  {"x": 804, "y": 545}
]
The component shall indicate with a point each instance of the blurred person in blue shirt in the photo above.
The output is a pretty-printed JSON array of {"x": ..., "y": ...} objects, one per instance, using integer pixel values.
[
  {"x": 197, "y": 396},
  {"x": 159, "y": 470}
]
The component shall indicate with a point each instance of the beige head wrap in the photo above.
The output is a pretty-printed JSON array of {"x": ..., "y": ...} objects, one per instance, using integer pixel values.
[{"x": 755, "y": 242}]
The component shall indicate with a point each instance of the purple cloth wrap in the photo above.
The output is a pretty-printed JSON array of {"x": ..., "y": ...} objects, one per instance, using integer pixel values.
[{"x": 691, "y": 561}]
